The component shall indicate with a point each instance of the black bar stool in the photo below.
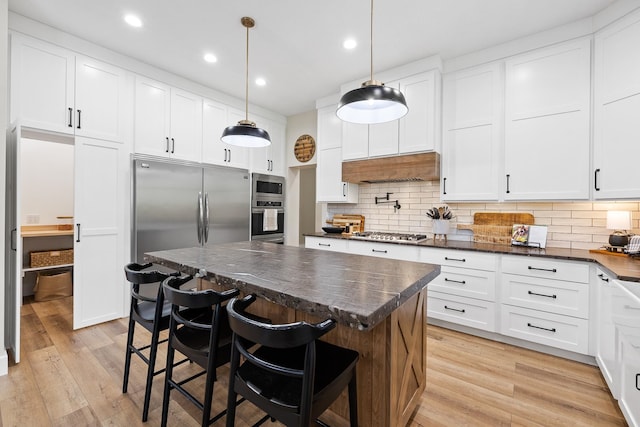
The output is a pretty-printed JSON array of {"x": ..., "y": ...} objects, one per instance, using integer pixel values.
[
  {"x": 152, "y": 313},
  {"x": 205, "y": 339},
  {"x": 291, "y": 375}
]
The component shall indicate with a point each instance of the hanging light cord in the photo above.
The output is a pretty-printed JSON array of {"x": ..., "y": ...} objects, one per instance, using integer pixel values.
[
  {"x": 246, "y": 80},
  {"x": 371, "y": 40}
]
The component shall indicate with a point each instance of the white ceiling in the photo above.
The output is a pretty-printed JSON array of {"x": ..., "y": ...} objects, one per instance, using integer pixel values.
[{"x": 296, "y": 45}]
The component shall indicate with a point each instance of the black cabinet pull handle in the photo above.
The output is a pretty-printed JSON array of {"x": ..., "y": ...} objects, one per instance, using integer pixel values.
[
  {"x": 70, "y": 117},
  {"x": 229, "y": 154},
  {"x": 79, "y": 118},
  {"x": 454, "y": 309},
  {"x": 344, "y": 189},
  {"x": 601, "y": 276},
  {"x": 595, "y": 179},
  {"x": 14, "y": 235},
  {"x": 552, "y": 270},
  {"x": 455, "y": 259},
  {"x": 508, "y": 176},
  {"x": 225, "y": 154},
  {"x": 462, "y": 282},
  {"x": 173, "y": 145},
  {"x": 540, "y": 327},
  {"x": 542, "y": 295},
  {"x": 379, "y": 251},
  {"x": 637, "y": 376},
  {"x": 444, "y": 185},
  {"x": 167, "y": 146},
  {"x": 324, "y": 244},
  {"x": 78, "y": 236}
]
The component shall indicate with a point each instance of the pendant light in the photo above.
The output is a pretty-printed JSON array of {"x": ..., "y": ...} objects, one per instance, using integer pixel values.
[
  {"x": 373, "y": 102},
  {"x": 246, "y": 133}
]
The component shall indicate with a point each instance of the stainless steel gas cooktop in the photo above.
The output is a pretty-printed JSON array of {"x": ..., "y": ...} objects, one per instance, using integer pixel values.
[{"x": 389, "y": 237}]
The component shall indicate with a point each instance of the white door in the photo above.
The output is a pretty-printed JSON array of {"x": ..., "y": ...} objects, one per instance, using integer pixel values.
[
  {"x": 152, "y": 111},
  {"x": 100, "y": 93},
  {"x": 42, "y": 85},
  {"x": 186, "y": 126},
  {"x": 100, "y": 187},
  {"x": 13, "y": 246}
]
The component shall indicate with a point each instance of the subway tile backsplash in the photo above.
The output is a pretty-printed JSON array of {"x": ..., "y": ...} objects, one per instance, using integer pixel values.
[{"x": 575, "y": 225}]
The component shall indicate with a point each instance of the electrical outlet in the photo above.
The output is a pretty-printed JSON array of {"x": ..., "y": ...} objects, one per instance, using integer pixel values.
[{"x": 33, "y": 219}]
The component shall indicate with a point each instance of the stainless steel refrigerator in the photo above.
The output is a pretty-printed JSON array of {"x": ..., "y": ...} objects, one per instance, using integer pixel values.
[{"x": 178, "y": 205}]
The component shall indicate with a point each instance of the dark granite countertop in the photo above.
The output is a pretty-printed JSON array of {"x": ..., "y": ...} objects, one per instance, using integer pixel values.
[
  {"x": 351, "y": 289},
  {"x": 619, "y": 267}
]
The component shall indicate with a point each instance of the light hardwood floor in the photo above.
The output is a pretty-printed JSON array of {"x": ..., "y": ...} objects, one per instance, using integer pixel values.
[{"x": 74, "y": 378}]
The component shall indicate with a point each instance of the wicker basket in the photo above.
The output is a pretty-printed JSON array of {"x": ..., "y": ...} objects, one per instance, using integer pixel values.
[{"x": 49, "y": 258}]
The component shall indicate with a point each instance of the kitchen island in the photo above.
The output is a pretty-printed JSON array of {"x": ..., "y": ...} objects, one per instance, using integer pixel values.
[{"x": 379, "y": 305}]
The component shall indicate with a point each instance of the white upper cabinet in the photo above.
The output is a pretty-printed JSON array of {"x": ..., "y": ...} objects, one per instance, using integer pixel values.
[
  {"x": 329, "y": 184},
  {"x": 418, "y": 131},
  {"x": 215, "y": 118},
  {"x": 547, "y": 123},
  {"x": 53, "y": 89},
  {"x": 168, "y": 121},
  {"x": 616, "y": 107},
  {"x": 269, "y": 160},
  {"x": 471, "y": 158},
  {"x": 355, "y": 141}
]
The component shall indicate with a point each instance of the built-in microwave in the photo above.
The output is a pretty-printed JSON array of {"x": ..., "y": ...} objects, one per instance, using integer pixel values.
[{"x": 267, "y": 188}]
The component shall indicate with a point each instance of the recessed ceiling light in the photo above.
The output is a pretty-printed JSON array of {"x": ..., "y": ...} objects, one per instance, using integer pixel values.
[
  {"x": 349, "y": 44},
  {"x": 210, "y": 58},
  {"x": 260, "y": 81},
  {"x": 133, "y": 20}
]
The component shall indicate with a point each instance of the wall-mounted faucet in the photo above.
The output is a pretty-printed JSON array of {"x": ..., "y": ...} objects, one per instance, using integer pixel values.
[{"x": 385, "y": 199}]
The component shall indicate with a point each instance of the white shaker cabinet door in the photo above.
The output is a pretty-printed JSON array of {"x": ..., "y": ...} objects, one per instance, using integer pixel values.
[
  {"x": 471, "y": 147},
  {"x": 547, "y": 123},
  {"x": 419, "y": 130},
  {"x": 186, "y": 126},
  {"x": 42, "y": 85},
  {"x": 101, "y": 182},
  {"x": 616, "y": 106},
  {"x": 152, "y": 113},
  {"x": 355, "y": 141},
  {"x": 101, "y": 101}
]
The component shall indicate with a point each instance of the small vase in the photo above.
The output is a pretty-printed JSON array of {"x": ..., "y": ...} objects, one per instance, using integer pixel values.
[{"x": 440, "y": 226}]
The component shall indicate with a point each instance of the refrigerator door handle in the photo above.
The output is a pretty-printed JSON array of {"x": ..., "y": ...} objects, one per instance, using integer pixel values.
[
  {"x": 205, "y": 218},
  {"x": 199, "y": 217}
]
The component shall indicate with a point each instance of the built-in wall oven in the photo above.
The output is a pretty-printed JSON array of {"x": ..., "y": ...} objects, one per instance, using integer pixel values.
[{"x": 267, "y": 208}]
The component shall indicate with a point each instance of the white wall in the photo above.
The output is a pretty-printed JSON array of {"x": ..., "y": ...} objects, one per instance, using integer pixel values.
[{"x": 46, "y": 180}]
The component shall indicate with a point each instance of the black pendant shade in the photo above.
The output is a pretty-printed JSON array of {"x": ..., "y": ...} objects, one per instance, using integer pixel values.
[
  {"x": 246, "y": 135},
  {"x": 372, "y": 103}
]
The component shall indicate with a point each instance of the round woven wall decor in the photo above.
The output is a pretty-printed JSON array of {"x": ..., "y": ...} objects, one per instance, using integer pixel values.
[{"x": 305, "y": 148}]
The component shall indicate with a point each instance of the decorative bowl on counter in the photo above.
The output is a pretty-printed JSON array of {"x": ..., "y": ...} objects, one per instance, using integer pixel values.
[{"x": 334, "y": 230}]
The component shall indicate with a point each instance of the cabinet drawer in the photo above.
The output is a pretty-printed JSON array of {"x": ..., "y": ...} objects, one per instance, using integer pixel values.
[
  {"x": 326, "y": 244},
  {"x": 454, "y": 258},
  {"x": 465, "y": 282},
  {"x": 567, "y": 333},
  {"x": 546, "y": 268},
  {"x": 464, "y": 311},
  {"x": 384, "y": 250},
  {"x": 567, "y": 298}
]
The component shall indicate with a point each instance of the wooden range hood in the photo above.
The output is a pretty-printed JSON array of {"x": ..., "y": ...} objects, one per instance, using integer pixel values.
[{"x": 412, "y": 167}]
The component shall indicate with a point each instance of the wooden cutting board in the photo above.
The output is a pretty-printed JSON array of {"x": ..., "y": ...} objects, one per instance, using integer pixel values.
[
  {"x": 341, "y": 220},
  {"x": 495, "y": 227}
]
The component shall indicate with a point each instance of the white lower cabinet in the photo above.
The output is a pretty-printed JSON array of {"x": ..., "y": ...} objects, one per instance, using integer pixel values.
[
  {"x": 545, "y": 301},
  {"x": 606, "y": 332},
  {"x": 625, "y": 309},
  {"x": 565, "y": 332},
  {"x": 465, "y": 291},
  {"x": 384, "y": 250},
  {"x": 470, "y": 312},
  {"x": 326, "y": 244}
]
